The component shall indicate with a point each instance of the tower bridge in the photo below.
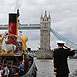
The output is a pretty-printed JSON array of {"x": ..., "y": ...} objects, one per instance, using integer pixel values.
[{"x": 45, "y": 29}]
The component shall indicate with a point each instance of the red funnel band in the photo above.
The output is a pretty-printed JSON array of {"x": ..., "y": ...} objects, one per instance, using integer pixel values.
[{"x": 12, "y": 28}]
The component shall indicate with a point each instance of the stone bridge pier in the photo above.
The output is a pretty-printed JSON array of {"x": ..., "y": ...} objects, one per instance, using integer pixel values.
[{"x": 44, "y": 51}]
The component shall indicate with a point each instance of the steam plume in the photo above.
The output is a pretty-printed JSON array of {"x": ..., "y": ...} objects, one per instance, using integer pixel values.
[{"x": 17, "y": 5}]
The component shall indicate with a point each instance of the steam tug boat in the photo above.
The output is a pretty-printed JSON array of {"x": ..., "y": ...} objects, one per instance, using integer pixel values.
[{"x": 14, "y": 50}]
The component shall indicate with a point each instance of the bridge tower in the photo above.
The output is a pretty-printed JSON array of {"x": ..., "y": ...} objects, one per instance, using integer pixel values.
[{"x": 45, "y": 23}]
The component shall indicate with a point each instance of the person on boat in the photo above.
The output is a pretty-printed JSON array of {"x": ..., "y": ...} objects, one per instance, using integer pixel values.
[
  {"x": 1, "y": 73},
  {"x": 6, "y": 71},
  {"x": 21, "y": 69},
  {"x": 60, "y": 59},
  {"x": 2, "y": 67},
  {"x": 23, "y": 64}
]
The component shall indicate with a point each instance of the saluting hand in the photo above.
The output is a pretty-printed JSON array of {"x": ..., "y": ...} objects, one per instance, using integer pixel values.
[{"x": 66, "y": 46}]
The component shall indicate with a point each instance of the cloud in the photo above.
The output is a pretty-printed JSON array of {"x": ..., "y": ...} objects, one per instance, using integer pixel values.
[
  {"x": 32, "y": 34},
  {"x": 34, "y": 44},
  {"x": 17, "y": 4}
]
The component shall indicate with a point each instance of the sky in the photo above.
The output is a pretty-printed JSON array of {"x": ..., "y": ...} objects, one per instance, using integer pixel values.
[{"x": 63, "y": 17}]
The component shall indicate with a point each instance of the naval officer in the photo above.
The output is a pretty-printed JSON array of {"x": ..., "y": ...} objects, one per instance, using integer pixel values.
[{"x": 60, "y": 59}]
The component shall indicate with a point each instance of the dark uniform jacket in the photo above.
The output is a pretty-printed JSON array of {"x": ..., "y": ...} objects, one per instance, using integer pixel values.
[{"x": 60, "y": 60}]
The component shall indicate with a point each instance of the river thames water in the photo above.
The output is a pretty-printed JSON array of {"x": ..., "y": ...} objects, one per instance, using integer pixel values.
[{"x": 45, "y": 67}]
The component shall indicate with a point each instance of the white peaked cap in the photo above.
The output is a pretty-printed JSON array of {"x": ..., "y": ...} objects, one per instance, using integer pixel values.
[{"x": 60, "y": 41}]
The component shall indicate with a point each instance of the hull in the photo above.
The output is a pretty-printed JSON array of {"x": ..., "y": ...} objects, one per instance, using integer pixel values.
[{"x": 13, "y": 63}]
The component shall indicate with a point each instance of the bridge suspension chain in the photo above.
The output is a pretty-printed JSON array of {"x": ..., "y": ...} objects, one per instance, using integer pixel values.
[{"x": 68, "y": 42}]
